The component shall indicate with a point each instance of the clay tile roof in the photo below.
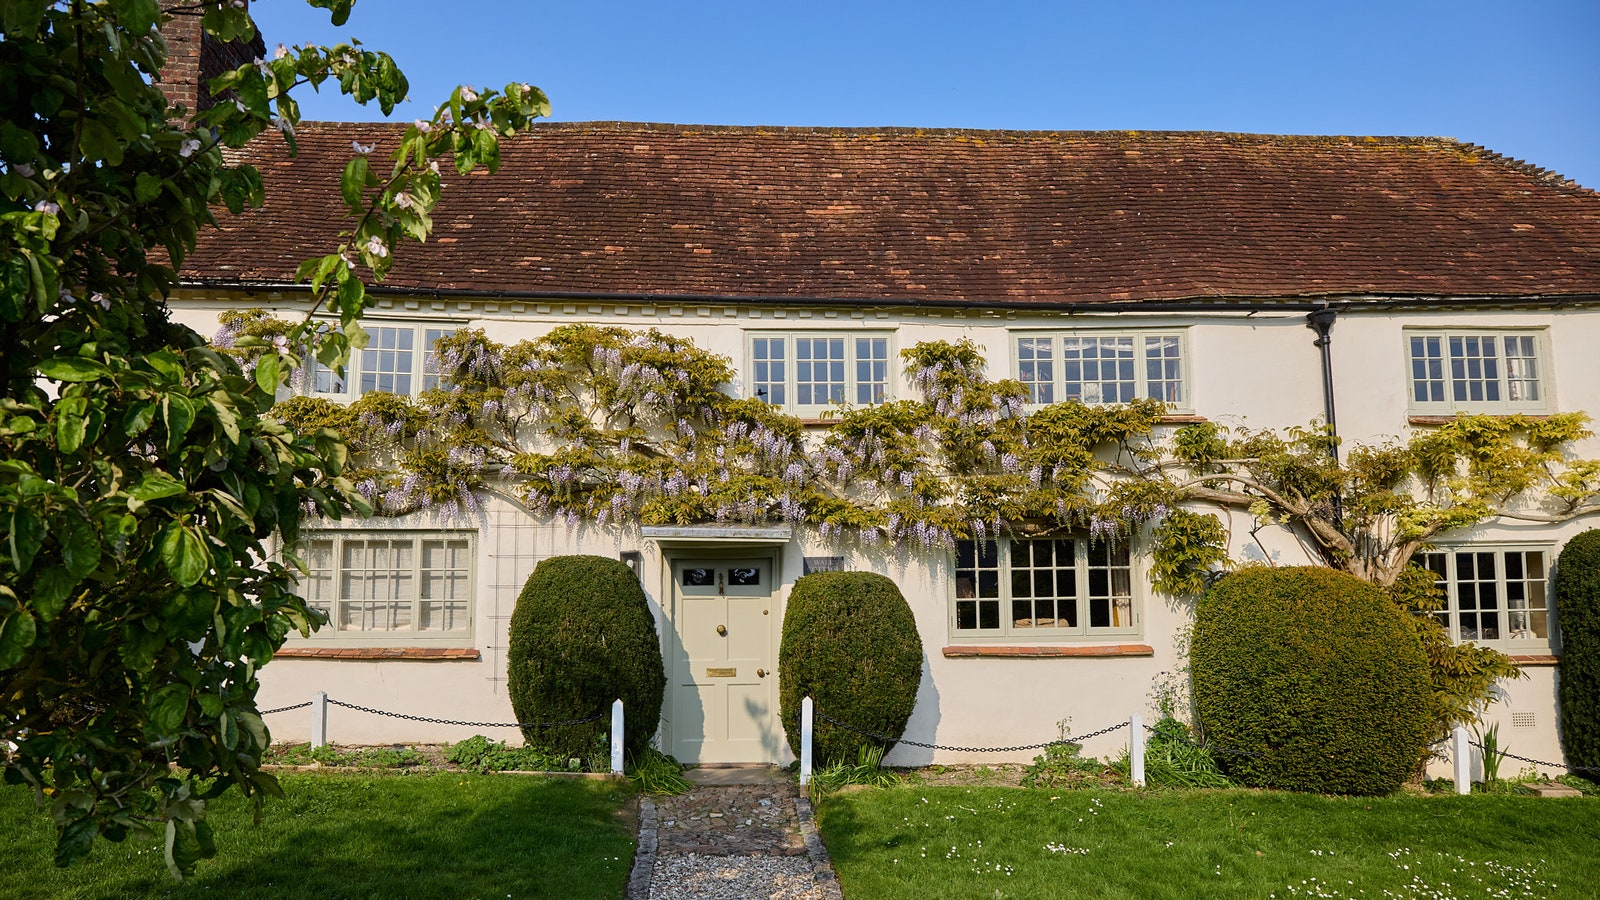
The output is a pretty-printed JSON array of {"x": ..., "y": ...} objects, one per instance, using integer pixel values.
[{"x": 970, "y": 216}]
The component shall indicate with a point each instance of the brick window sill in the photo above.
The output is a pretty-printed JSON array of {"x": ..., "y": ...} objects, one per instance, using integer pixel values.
[
  {"x": 380, "y": 653},
  {"x": 1102, "y": 651},
  {"x": 1536, "y": 659}
]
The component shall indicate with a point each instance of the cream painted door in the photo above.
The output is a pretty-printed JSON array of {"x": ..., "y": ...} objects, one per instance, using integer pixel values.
[{"x": 724, "y": 689}]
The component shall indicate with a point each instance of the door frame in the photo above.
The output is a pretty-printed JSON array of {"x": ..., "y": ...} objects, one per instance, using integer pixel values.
[{"x": 671, "y": 556}]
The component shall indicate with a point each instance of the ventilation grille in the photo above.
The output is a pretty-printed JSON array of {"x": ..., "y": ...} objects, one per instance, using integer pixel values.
[
  {"x": 1523, "y": 720},
  {"x": 824, "y": 564}
]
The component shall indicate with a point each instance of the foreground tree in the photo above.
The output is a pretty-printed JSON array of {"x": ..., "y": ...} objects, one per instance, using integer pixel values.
[{"x": 144, "y": 484}]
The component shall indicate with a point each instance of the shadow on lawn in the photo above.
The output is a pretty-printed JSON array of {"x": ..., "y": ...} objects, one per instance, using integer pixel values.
[{"x": 355, "y": 837}]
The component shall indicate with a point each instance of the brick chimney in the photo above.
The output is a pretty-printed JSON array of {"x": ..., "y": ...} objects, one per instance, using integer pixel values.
[{"x": 194, "y": 57}]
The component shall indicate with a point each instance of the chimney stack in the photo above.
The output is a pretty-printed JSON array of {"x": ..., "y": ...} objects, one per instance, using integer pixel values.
[{"x": 194, "y": 57}]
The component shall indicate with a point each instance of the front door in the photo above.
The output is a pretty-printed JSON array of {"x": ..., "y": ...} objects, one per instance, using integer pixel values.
[{"x": 723, "y": 683}]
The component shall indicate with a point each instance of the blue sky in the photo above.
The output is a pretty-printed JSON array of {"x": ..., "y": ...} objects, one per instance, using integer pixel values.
[{"x": 1522, "y": 78}]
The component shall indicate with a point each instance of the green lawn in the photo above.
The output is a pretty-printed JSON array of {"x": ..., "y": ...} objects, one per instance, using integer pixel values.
[
  {"x": 922, "y": 843},
  {"x": 358, "y": 836}
]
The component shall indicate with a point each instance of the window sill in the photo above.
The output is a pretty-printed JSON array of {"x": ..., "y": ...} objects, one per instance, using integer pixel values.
[
  {"x": 379, "y": 653},
  {"x": 1414, "y": 419},
  {"x": 1535, "y": 659},
  {"x": 1100, "y": 651}
]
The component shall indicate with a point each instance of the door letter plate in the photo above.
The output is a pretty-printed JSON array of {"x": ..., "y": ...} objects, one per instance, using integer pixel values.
[{"x": 722, "y": 673}]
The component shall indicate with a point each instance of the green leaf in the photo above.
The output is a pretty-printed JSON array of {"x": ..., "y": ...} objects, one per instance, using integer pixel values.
[
  {"x": 80, "y": 548},
  {"x": 156, "y": 486},
  {"x": 71, "y": 427},
  {"x": 267, "y": 374},
  {"x": 179, "y": 411},
  {"x": 168, "y": 706},
  {"x": 72, "y": 368},
  {"x": 257, "y": 729},
  {"x": 354, "y": 180},
  {"x": 50, "y": 592},
  {"x": 185, "y": 554},
  {"x": 210, "y": 705},
  {"x": 27, "y": 532},
  {"x": 146, "y": 187},
  {"x": 17, "y": 632},
  {"x": 73, "y": 843}
]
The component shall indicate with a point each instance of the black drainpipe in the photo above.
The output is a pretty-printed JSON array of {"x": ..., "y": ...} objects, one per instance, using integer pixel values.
[{"x": 1321, "y": 321}]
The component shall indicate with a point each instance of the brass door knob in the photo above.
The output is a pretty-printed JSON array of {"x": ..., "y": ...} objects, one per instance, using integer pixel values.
[
  {"x": 761, "y": 673},
  {"x": 722, "y": 630}
]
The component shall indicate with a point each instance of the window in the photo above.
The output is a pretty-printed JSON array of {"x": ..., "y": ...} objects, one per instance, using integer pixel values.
[
  {"x": 807, "y": 373},
  {"x": 390, "y": 587},
  {"x": 1477, "y": 371},
  {"x": 398, "y": 359},
  {"x": 1103, "y": 367},
  {"x": 1042, "y": 588},
  {"x": 1495, "y": 595}
]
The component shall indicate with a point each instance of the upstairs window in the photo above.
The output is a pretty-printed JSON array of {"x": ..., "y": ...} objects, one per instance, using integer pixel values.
[
  {"x": 1065, "y": 587},
  {"x": 808, "y": 373},
  {"x": 1102, "y": 367},
  {"x": 398, "y": 359},
  {"x": 1477, "y": 371},
  {"x": 1497, "y": 596}
]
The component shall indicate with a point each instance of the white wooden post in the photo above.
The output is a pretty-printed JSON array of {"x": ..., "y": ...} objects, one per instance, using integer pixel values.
[
  {"x": 1136, "y": 749},
  {"x": 1462, "y": 757},
  {"x": 807, "y": 710},
  {"x": 616, "y": 737},
  {"x": 319, "y": 719}
]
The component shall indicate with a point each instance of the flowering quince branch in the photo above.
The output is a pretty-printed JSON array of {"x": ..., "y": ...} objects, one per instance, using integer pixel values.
[{"x": 145, "y": 484}]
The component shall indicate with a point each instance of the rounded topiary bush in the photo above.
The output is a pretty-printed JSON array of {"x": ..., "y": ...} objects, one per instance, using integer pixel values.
[
  {"x": 1577, "y": 589},
  {"x": 851, "y": 644},
  {"x": 582, "y": 636},
  {"x": 1314, "y": 676}
]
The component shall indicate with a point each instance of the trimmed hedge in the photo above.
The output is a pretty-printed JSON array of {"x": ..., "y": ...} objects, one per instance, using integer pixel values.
[
  {"x": 582, "y": 636},
  {"x": 851, "y": 643},
  {"x": 1316, "y": 676},
  {"x": 1577, "y": 590}
]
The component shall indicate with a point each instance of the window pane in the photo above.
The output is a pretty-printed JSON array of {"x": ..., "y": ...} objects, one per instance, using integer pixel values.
[
  {"x": 1163, "y": 369},
  {"x": 1098, "y": 369},
  {"x": 819, "y": 371},
  {"x": 977, "y": 585},
  {"x": 388, "y": 362},
  {"x": 1036, "y": 367},
  {"x": 872, "y": 370},
  {"x": 768, "y": 375},
  {"x": 1522, "y": 369},
  {"x": 444, "y": 605},
  {"x": 431, "y": 376}
]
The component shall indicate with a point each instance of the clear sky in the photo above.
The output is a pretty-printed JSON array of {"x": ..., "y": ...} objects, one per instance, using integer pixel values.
[{"x": 1521, "y": 77}]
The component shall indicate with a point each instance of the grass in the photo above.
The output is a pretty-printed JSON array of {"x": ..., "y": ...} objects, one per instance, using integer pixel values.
[
  {"x": 358, "y": 836},
  {"x": 950, "y": 842}
]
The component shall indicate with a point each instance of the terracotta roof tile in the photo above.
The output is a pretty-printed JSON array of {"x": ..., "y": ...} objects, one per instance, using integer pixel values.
[{"x": 972, "y": 216}]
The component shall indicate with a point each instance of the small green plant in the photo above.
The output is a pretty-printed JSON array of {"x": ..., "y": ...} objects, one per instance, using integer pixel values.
[
  {"x": 1493, "y": 753},
  {"x": 1172, "y": 758},
  {"x": 868, "y": 771},
  {"x": 353, "y": 757},
  {"x": 483, "y": 755},
  {"x": 654, "y": 772},
  {"x": 1061, "y": 764}
]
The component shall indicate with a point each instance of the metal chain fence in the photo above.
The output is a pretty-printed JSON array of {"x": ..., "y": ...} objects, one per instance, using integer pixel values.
[
  {"x": 302, "y": 705},
  {"x": 394, "y": 715},
  {"x": 1592, "y": 770},
  {"x": 1070, "y": 739}
]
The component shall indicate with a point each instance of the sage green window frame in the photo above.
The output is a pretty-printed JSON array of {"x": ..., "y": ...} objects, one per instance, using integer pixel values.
[
  {"x": 1515, "y": 597},
  {"x": 411, "y": 583},
  {"x": 1056, "y": 387},
  {"x": 1443, "y": 357},
  {"x": 1098, "y": 570},
  {"x": 758, "y": 368}
]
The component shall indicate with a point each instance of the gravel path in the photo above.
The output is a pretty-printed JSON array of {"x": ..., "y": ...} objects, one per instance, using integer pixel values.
[{"x": 731, "y": 842}]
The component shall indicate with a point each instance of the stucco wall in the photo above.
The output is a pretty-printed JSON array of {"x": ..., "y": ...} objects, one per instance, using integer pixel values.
[{"x": 1257, "y": 370}]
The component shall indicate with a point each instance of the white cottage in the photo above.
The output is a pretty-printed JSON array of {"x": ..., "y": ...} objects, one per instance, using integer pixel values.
[{"x": 1197, "y": 268}]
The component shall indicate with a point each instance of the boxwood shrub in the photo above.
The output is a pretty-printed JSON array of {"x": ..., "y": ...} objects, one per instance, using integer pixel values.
[
  {"x": 1577, "y": 589},
  {"x": 850, "y": 642},
  {"x": 1312, "y": 679},
  {"x": 582, "y": 636}
]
